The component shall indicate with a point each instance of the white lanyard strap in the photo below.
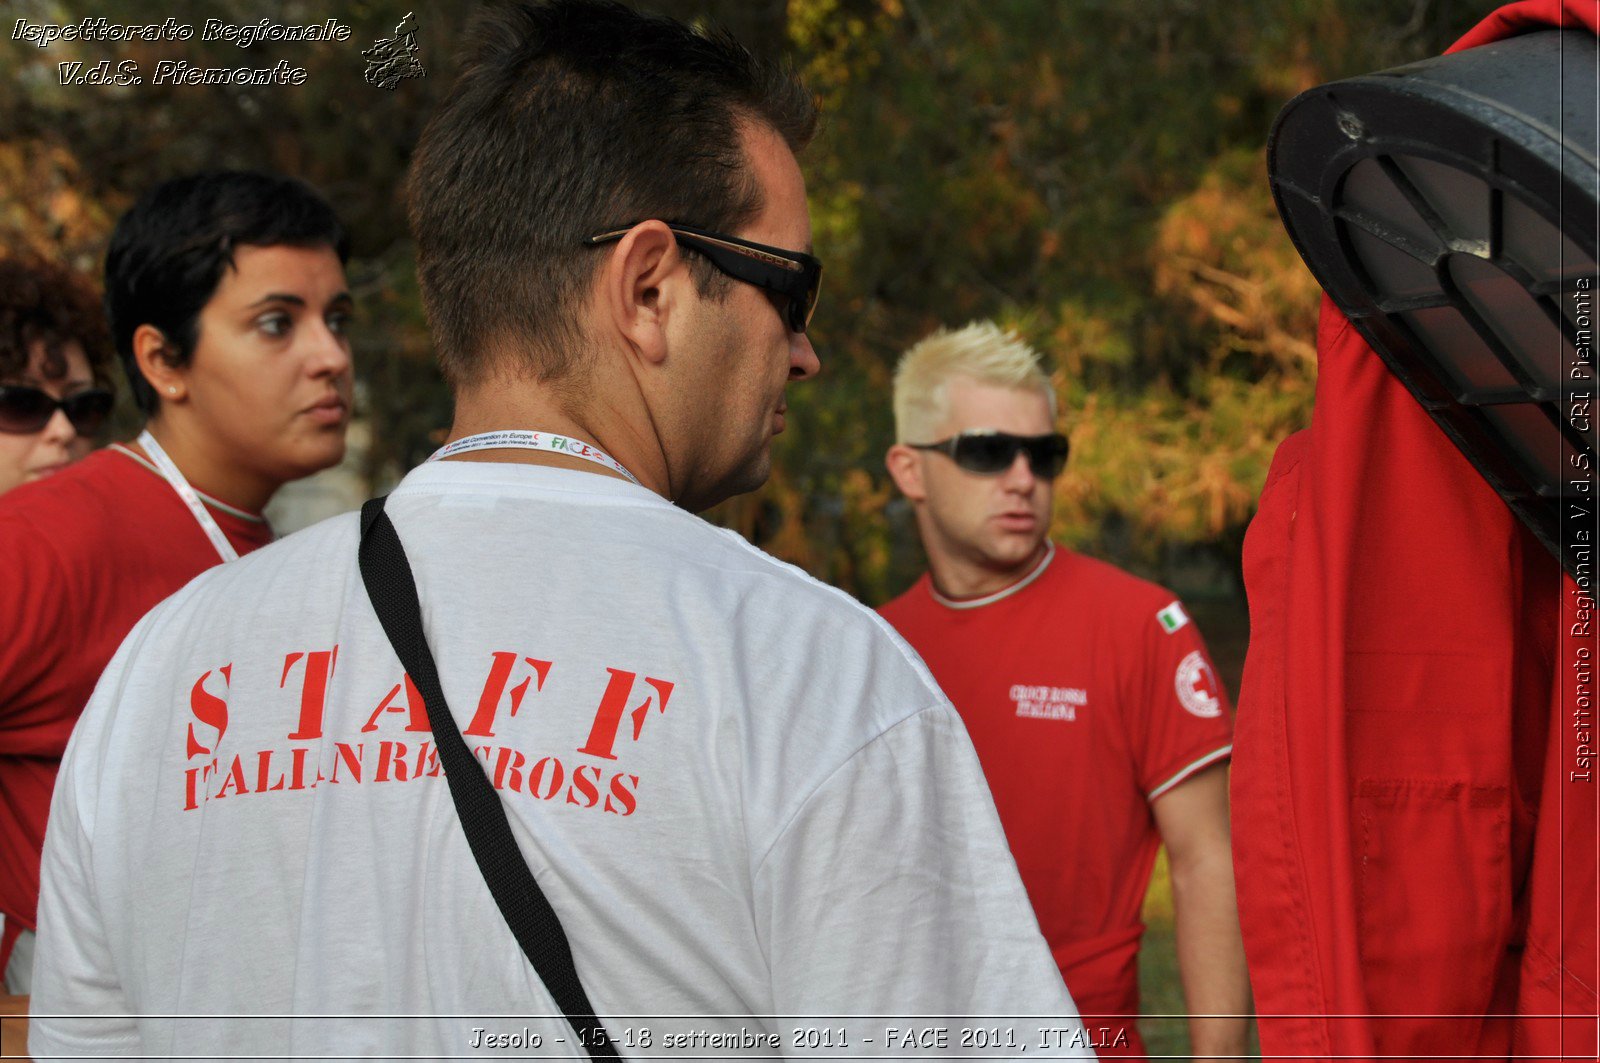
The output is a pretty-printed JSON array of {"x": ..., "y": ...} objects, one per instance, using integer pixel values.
[
  {"x": 191, "y": 498},
  {"x": 517, "y": 439}
]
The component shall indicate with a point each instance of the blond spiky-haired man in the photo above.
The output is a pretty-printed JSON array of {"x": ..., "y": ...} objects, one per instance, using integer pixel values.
[{"x": 1099, "y": 721}]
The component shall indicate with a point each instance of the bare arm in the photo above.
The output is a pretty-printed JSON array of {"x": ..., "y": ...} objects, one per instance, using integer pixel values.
[{"x": 1193, "y": 820}]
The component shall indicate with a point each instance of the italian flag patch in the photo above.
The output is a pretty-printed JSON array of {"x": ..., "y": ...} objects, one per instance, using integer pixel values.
[{"x": 1172, "y": 618}]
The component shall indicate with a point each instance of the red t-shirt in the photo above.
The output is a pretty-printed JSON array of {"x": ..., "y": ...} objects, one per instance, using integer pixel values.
[
  {"x": 87, "y": 552},
  {"x": 1088, "y": 693}
]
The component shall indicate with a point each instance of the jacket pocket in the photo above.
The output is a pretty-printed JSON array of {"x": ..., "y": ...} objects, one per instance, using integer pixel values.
[{"x": 1433, "y": 904}]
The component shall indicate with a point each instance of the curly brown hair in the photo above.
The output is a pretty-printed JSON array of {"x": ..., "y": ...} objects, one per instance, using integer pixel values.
[{"x": 42, "y": 301}]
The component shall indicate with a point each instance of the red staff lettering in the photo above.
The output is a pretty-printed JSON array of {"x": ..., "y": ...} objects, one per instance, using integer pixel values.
[
  {"x": 313, "y": 689},
  {"x": 350, "y": 758},
  {"x": 494, "y": 688},
  {"x": 603, "y": 735},
  {"x": 536, "y": 777},
  {"x": 264, "y": 773},
  {"x": 585, "y": 789},
  {"x": 623, "y": 788},
  {"x": 414, "y": 705},
  {"x": 234, "y": 778},
  {"x": 391, "y": 755},
  {"x": 193, "y": 778},
  {"x": 209, "y": 710},
  {"x": 427, "y": 762},
  {"x": 508, "y": 769}
]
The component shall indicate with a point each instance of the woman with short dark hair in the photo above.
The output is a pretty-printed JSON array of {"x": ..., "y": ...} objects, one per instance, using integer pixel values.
[{"x": 227, "y": 303}]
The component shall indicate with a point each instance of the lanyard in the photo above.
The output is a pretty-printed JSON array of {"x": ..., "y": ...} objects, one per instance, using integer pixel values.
[
  {"x": 522, "y": 440},
  {"x": 191, "y": 498}
]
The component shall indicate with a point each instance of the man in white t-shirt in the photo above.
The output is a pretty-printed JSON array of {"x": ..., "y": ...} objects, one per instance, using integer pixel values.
[{"x": 761, "y": 825}]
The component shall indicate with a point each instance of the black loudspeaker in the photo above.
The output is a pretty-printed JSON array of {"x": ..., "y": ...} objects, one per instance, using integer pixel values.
[{"x": 1449, "y": 208}]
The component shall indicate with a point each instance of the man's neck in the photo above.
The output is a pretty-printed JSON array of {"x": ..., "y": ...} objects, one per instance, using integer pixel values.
[
  {"x": 962, "y": 578},
  {"x": 208, "y": 471},
  {"x": 626, "y": 436}
]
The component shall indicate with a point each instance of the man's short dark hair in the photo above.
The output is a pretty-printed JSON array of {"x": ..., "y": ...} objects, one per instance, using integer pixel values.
[
  {"x": 45, "y": 303},
  {"x": 570, "y": 118},
  {"x": 169, "y": 251}
]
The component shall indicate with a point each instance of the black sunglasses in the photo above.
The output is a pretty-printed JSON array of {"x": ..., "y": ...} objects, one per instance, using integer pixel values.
[
  {"x": 988, "y": 452},
  {"x": 794, "y": 275},
  {"x": 25, "y": 409}
]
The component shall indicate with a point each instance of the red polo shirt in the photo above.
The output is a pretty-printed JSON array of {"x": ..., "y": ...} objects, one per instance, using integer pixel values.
[{"x": 1088, "y": 694}]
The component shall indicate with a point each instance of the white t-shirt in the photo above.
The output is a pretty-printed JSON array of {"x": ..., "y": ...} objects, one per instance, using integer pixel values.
[{"x": 744, "y": 795}]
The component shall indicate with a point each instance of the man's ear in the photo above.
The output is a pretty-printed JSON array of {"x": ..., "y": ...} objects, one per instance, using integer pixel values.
[
  {"x": 905, "y": 466},
  {"x": 155, "y": 360},
  {"x": 640, "y": 286}
]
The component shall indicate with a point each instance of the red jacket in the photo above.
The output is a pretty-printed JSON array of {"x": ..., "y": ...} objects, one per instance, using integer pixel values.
[{"x": 1415, "y": 843}]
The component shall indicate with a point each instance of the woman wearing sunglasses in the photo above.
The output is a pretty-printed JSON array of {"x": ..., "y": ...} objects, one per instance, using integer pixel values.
[{"x": 55, "y": 356}]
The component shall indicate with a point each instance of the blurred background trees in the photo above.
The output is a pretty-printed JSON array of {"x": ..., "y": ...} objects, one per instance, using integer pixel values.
[{"x": 1089, "y": 172}]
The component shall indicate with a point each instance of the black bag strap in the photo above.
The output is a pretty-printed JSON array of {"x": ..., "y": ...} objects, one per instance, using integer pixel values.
[{"x": 393, "y": 591}]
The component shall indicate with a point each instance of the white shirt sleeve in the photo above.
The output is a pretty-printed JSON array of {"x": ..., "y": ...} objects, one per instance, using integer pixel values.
[
  {"x": 890, "y": 905},
  {"x": 78, "y": 1007}
]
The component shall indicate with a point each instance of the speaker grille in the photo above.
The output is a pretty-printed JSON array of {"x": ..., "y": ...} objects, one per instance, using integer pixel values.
[{"x": 1449, "y": 209}]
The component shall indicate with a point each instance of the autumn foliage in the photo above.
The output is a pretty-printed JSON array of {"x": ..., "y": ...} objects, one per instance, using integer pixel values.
[{"x": 1088, "y": 172}]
